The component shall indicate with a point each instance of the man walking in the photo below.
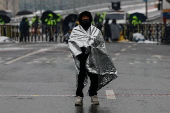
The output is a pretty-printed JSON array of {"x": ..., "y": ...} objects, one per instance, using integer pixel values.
[{"x": 88, "y": 50}]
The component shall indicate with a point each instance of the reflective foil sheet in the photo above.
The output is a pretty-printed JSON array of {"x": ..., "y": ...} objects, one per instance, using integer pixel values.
[{"x": 98, "y": 62}]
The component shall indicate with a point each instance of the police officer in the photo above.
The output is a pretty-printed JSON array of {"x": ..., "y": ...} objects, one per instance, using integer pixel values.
[
  {"x": 96, "y": 19},
  {"x": 135, "y": 22},
  {"x": 1, "y": 21},
  {"x": 50, "y": 22},
  {"x": 35, "y": 22}
]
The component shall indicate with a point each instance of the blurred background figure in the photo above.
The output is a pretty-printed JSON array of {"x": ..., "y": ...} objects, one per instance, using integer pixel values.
[
  {"x": 96, "y": 19},
  {"x": 1, "y": 21},
  {"x": 26, "y": 19},
  {"x": 72, "y": 23},
  {"x": 24, "y": 28},
  {"x": 115, "y": 30},
  {"x": 50, "y": 22},
  {"x": 59, "y": 22},
  {"x": 100, "y": 24},
  {"x": 35, "y": 23},
  {"x": 135, "y": 21},
  {"x": 66, "y": 36},
  {"x": 107, "y": 30}
]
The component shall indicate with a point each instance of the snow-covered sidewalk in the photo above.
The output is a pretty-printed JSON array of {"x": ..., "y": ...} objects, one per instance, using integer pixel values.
[{"x": 4, "y": 39}]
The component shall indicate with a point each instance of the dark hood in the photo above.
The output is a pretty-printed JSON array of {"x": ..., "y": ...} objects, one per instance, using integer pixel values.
[
  {"x": 86, "y": 13},
  {"x": 107, "y": 21}
]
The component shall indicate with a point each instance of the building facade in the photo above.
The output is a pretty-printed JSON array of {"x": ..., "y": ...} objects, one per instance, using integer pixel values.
[{"x": 10, "y": 5}]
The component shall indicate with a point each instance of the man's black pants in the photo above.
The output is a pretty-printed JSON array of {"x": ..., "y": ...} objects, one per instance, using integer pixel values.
[
  {"x": 81, "y": 78},
  {"x": 23, "y": 35}
]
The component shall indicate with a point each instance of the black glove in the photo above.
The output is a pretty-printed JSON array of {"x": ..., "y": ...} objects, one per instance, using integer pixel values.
[{"x": 84, "y": 55}]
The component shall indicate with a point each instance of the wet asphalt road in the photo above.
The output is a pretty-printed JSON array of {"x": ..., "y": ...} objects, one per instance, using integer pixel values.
[{"x": 40, "y": 78}]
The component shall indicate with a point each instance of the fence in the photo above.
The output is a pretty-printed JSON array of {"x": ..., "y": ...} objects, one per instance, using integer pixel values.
[
  {"x": 39, "y": 33},
  {"x": 152, "y": 32}
]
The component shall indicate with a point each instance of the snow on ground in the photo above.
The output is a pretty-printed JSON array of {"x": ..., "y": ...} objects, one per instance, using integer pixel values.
[
  {"x": 148, "y": 42},
  {"x": 4, "y": 39}
]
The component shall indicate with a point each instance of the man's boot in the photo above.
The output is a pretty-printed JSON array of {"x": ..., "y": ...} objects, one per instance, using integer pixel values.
[
  {"x": 79, "y": 101},
  {"x": 94, "y": 100}
]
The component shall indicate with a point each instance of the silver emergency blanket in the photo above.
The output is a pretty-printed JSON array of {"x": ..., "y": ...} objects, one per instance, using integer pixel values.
[{"x": 98, "y": 62}]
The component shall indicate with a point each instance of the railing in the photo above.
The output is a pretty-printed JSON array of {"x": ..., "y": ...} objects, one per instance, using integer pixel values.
[
  {"x": 152, "y": 32},
  {"x": 41, "y": 33}
]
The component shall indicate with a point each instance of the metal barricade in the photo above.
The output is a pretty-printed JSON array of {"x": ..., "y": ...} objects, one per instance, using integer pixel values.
[{"x": 151, "y": 31}]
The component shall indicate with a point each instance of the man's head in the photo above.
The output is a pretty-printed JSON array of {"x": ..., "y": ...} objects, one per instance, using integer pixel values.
[
  {"x": 98, "y": 14},
  {"x": 85, "y": 19},
  {"x": 107, "y": 20},
  {"x": 114, "y": 21},
  {"x": 104, "y": 13},
  {"x": 73, "y": 19},
  {"x": 135, "y": 17},
  {"x": 70, "y": 31}
]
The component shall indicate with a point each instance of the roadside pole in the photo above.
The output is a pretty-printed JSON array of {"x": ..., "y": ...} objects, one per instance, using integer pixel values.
[{"x": 146, "y": 6}]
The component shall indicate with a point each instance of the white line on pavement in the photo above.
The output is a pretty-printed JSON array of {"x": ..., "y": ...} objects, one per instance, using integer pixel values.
[
  {"x": 117, "y": 54},
  {"x": 35, "y": 52},
  {"x": 131, "y": 63},
  {"x": 1, "y": 61},
  {"x": 148, "y": 62},
  {"x": 47, "y": 62},
  {"x": 37, "y": 62},
  {"x": 155, "y": 62},
  {"x": 113, "y": 59},
  {"x": 123, "y": 50},
  {"x": 129, "y": 46},
  {"x": 134, "y": 44},
  {"x": 110, "y": 94}
]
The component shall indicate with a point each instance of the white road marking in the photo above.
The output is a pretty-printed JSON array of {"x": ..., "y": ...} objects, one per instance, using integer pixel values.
[
  {"x": 53, "y": 59},
  {"x": 117, "y": 54},
  {"x": 37, "y": 62},
  {"x": 113, "y": 59},
  {"x": 47, "y": 62},
  {"x": 157, "y": 56},
  {"x": 131, "y": 63},
  {"x": 69, "y": 56},
  {"x": 54, "y": 62},
  {"x": 155, "y": 62},
  {"x": 137, "y": 62},
  {"x": 123, "y": 50},
  {"x": 148, "y": 62},
  {"x": 29, "y": 62},
  {"x": 35, "y": 52},
  {"x": 1, "y": 61},
  {"x": 110, "y": 94},
  {"x": 129, "y": 46},
  {"x": 134, "y": 44},
  {"x": 13, "y": 49},
  {"x": 134, "y": 49},
  {"x": 71, "y": 61}
]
